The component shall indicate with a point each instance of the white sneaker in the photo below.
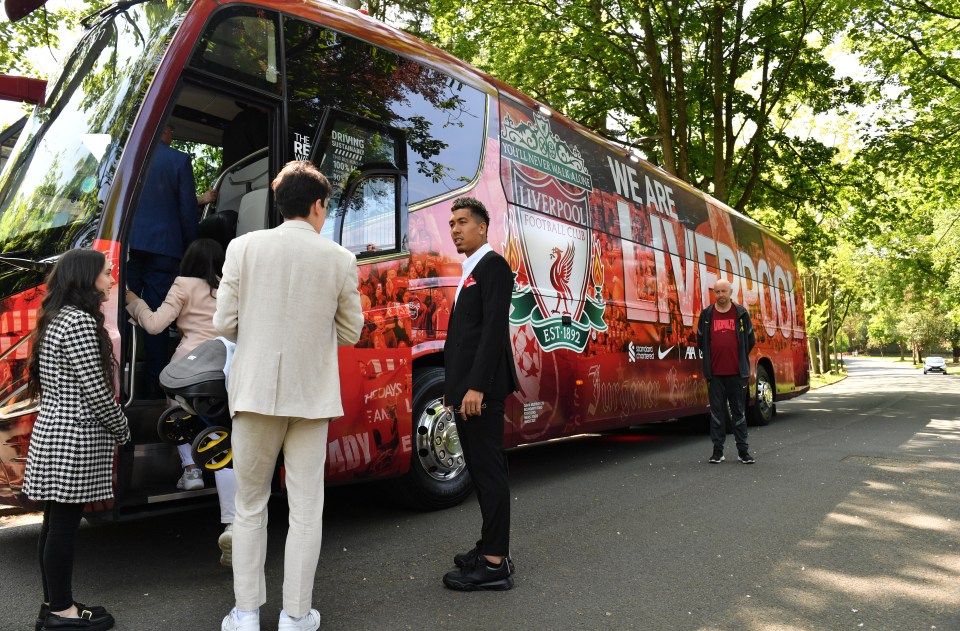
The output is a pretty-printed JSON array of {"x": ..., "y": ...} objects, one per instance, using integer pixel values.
[
  {"x": 234, "y": 623},
  {"x": 225, "y": 541},
  {"x": 191, "y": 480},
  {"x": 310, "y": 622}
]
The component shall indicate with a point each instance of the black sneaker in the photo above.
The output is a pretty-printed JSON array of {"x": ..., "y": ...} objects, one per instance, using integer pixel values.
[
  {"x": 745, "y": 457},
  {"x": 717, "y": 456},
  {"x": 468, "y": 559},
  {"x": 95, "y": 610},
  {"x": 480, "y": 577}
]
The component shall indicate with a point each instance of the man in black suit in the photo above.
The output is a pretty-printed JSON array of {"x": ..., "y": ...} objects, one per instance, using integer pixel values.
[{"x": 480, "y": 374}]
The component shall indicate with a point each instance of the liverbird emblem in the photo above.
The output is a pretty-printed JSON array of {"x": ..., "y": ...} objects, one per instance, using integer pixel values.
[{"x": 560, "y": 276}]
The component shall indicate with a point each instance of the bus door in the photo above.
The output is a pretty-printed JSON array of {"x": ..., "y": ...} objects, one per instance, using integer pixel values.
[{"x": 224, "y": 115}]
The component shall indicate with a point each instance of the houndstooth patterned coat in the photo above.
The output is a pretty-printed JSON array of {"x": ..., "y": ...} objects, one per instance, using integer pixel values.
[{"x": 70, "y": 459}]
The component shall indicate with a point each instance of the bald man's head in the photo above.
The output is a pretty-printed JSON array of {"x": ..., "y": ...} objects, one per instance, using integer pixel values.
[{"x": 723, "y": 290}]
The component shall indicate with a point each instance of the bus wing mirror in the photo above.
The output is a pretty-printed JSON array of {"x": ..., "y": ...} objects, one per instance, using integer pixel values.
[{"x": 17, "y": 9}]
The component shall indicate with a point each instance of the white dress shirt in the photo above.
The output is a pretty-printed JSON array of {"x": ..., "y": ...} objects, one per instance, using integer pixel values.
[{"x": 468, "y": 266}]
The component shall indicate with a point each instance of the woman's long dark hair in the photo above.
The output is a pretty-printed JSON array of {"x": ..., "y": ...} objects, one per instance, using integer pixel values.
[
  {"x": 73, "y": 282},
  {"x": 203, "y": 259}
]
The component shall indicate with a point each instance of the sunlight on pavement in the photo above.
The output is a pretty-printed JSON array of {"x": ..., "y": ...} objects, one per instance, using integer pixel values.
[{"x": 891, "y": 545}]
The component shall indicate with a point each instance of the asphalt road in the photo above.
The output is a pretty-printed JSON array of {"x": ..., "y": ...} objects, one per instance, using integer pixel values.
[{"x": 849, "y": 520}]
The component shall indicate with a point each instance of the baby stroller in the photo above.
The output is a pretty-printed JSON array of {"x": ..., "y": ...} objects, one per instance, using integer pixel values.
[{"x": 198, "y": 383}]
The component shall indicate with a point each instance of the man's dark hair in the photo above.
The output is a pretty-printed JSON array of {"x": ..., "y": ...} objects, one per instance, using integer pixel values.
[
  {"x": 475, "y": 206},
  {"x": 298, "y": 185}
]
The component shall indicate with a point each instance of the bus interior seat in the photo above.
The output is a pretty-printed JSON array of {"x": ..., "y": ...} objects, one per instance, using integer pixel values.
[
  {"x": 240, "y": 182},
  {"x": 253, "y": 211}
]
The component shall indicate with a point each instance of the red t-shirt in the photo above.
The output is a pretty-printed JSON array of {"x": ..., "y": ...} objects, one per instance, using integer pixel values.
[{"x": 724, "y": 359}]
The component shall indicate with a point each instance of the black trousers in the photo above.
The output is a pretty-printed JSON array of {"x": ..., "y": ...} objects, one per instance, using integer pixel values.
[
  {"x": 482, "y": 441},
  {"x": 732, "y": 390},
  {"x": 57, "y": 535}
]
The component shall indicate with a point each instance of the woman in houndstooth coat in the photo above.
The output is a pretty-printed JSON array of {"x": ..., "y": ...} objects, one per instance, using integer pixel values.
[{"x": 70, "y": 460}]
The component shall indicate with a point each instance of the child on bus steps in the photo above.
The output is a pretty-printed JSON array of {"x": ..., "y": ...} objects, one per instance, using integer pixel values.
[{"x": 191, "y": 302}]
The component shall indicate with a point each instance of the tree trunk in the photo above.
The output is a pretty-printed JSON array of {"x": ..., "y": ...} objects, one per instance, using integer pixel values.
[
  {"x": 719, "y": 80},
  {"x": 681, "y": 130},
  {"x": 660, "y": 96},
  {"x": 814, "y": 358},
  {"x": 833, "y": 335}
]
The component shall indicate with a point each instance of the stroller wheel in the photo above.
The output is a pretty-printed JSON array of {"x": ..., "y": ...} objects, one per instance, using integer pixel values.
[
  {"x": 211, "y": 448},
  {"x": 177, "y": 426}
]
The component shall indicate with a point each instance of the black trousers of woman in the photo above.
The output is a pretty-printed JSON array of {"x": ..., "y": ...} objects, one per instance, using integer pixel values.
[{"x": 57, "y": 536}]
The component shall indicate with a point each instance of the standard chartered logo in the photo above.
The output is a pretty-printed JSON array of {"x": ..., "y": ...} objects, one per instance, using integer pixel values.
[{"x": 635, "y": 352}]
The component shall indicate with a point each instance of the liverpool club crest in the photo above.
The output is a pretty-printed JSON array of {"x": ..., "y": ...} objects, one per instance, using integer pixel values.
[
  {"x": 550, "y": 246},
  {"x": 558, "y": 280}
]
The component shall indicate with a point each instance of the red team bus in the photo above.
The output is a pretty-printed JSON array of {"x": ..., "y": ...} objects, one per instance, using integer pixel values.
[{"x": 613, "y": 257}]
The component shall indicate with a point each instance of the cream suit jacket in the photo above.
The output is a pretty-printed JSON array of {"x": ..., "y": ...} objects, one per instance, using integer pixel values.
[{"x": 288, "y": 298}]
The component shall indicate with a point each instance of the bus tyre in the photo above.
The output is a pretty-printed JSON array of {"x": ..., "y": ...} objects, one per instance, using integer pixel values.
[
  {"x": 438, "y": 476},
  {"x": 763, "y": 408}
]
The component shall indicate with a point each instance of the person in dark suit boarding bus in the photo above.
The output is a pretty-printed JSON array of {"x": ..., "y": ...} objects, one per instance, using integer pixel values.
[
  {"x": 480, "y": 374},
  {"x": 165, "y": 223},
  {"x": 70, "y": 458}
]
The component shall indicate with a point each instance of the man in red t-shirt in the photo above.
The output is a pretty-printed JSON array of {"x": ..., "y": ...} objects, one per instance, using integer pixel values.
[{"x": 725, "y": 337}]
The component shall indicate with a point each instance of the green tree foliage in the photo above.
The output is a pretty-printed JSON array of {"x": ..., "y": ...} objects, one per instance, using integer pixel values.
[
  {"x": 707, "y": 90},
  {"x": 905, "y": 203}
]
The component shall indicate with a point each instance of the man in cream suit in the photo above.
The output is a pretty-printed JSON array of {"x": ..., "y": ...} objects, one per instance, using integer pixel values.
[{"x": 288, "y": 298}]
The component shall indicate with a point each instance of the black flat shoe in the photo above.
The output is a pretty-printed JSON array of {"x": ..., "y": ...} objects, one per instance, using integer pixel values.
[
  {"x": 96, "y": 610},
  {"x": 88, "y": 622}
]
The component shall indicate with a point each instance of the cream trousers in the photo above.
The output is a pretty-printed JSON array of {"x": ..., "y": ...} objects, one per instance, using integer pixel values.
[{"x": 257, "y": 441}]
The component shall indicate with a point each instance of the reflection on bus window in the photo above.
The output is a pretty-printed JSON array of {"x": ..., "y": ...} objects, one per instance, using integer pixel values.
[
  {"x": 369, "y": 218},
  {"x": 349, "y": 147},
  {"x": 442, "y": 119},
  {"x": 241, "y": 44},
  {"x": 64, "y": 162}
]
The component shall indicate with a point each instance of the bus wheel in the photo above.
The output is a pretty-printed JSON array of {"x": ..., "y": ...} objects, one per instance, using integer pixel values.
[
  {"x": 763, "y": 409},
  {"x": 438, "y": 476}
]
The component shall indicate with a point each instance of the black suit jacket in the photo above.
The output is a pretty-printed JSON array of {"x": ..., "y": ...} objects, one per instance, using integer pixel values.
[{"x": 477, "y": 353}]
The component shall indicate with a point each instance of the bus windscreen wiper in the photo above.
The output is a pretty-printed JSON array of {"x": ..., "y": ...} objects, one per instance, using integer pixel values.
[
  {"x": 15, "y": 259},
  {"x": 108, "y": 11}
]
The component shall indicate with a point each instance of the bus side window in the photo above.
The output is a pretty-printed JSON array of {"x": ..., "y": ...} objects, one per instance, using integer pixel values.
[
  {"x": 441, "y": 121},
  {"x": 365, "y": 163},
  {"x": 369, "y": 214},
  {"x": 241, "y": 44}
]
